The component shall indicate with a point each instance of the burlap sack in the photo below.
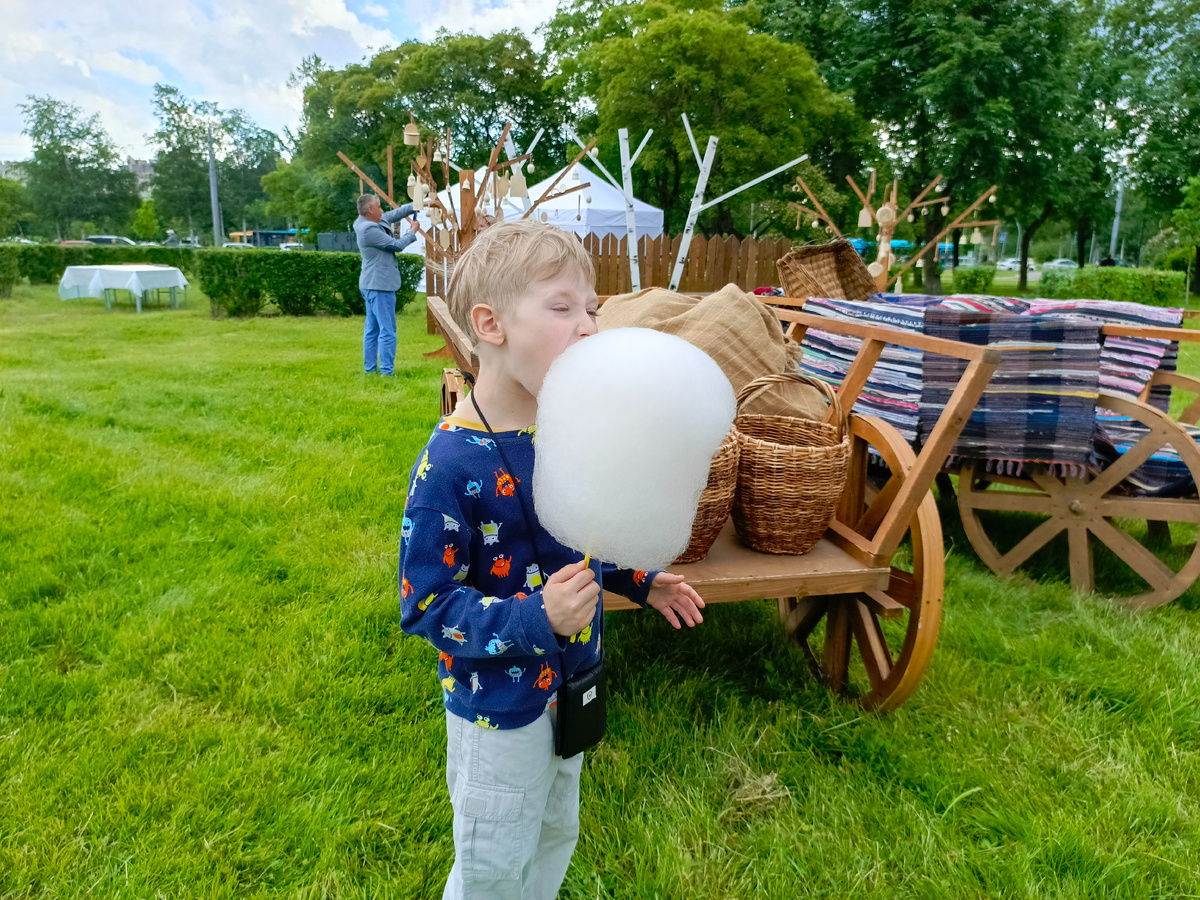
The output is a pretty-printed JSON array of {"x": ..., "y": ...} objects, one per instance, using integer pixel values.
[{"x": 732, "y": 327}]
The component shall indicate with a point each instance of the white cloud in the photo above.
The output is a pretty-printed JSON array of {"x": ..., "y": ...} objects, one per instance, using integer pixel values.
[{"x": 106, "y": 56}]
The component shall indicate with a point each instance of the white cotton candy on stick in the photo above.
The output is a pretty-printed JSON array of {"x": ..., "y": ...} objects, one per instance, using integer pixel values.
[{"x": 627, "y": 423}]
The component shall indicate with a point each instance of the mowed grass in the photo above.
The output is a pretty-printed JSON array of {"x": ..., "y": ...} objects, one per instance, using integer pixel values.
[{"x": 204, "y": 691}]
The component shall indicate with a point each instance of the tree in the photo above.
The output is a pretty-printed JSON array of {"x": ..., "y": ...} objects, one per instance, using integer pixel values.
[
  {"x": 967, "y": 90},
  {"x": 645, "y": 64},
  {"x": 468, "y": 84},
  {"x": 244, "y": 153},
  {"x": 75, "y": 172},
  {"x": 146, "y": 226},
  {"x": 15, "y": 209},
  {"x": 1186, "y": 220}
]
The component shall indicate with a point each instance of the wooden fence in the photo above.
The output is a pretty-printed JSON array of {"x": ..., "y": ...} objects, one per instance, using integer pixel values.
[{"x": 712, "y": 263}]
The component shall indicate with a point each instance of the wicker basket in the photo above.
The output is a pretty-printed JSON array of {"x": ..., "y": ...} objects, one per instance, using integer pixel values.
[
  {"x": 833, "y": 270},
  {"x": 716, "y": 501},
  {"x": 791, "y": 473}
]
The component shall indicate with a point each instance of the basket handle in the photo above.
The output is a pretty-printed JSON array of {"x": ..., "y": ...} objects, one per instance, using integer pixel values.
[{"x": 835, "y": 416}]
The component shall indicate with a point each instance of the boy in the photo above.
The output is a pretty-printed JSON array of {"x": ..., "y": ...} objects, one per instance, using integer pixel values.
[{"x": 513, "y": 612}]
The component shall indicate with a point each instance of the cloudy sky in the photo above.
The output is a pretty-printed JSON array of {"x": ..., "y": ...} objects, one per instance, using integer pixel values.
[{"x": 106, "y": 55}]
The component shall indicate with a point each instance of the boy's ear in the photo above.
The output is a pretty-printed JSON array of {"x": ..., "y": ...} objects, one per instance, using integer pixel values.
[{"x": 487, "y": 326}]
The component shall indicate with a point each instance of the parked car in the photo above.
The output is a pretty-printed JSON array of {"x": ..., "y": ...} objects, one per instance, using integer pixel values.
[
  {"x": 75, "y": 244},
  {"x": 1013, "y": 264},
  {"x": 291, "y": 245},
  {"x": 1060, "y": 263},
  {"x": 18, "y": 240},
  {"x": 110, "y": 239},
  {"x": 229, "y": 244}
]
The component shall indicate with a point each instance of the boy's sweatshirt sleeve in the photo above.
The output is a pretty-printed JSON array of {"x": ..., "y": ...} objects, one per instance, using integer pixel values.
[
  {"x": 459, "y": 620},
  {"x": 627, "y": 582}
]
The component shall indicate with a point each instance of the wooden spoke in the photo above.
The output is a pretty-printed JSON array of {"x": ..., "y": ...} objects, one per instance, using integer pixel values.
[
  {"x": 1149, "y": 567},
  {"x": 1028, "y": 545},
  {"x": 872, "y": 645},
  {"x": 835, "y": 659},
  {"x": 1081, "y": 557},
  {"x": 1010, "y": 501},
  {"x": 1131, "y": 459},
  {"x": 1155, "y": 509}
]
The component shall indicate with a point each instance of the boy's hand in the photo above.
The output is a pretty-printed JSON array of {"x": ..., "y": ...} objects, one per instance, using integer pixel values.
[
  {"x": 570, "y": 597},
  {"x": 669, "y": 594}
]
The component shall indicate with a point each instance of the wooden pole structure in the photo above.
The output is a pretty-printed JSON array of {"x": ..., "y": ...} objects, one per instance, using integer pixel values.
[
  {"x": 957, "y": 223},
  {"x": 359, "y": 172},
  {"x": 820, "y": 209},
  {"x": 391, "y": 189},
  {"x": 550, "y": 194}
]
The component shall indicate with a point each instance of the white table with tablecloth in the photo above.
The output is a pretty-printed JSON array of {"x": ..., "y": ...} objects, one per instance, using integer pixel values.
[{"x": 102, "y": 281}]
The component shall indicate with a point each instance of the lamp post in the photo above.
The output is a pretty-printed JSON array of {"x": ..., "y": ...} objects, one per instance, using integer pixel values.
[{"x": 212, "y": 189}]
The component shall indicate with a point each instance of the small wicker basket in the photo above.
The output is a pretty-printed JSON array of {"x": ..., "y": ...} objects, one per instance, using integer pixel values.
[
  {"x": 716, "y": 501},
  {"x": 833, "y": 270},
  {"x": 791, "y": 472}
]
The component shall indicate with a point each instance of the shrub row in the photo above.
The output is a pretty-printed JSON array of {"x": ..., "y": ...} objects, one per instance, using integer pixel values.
[
  {"x": 10, "y": 268},
  {"x": 1150, "y": 286},
  {"x": 301, "y": 282},
  {"x": 238, "y": 282},
  {"x": 973, "y": 279}
]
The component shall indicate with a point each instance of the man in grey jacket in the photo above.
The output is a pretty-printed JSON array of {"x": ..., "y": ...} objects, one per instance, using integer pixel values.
[{"x": 380, "y": 278}]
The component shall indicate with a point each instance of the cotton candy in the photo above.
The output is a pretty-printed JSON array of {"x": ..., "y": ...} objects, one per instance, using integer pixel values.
[{"x": 627, "y": 423}]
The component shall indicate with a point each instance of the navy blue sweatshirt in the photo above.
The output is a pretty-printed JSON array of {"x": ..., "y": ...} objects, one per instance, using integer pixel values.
[{"x": 470, "y": 581}]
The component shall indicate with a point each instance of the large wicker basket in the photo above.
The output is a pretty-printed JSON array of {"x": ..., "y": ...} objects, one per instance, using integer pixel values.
[
  {"x": 716, "y": 501},
  {"x": 791, "y": 472},
  {"x": 833, "y": 270}
]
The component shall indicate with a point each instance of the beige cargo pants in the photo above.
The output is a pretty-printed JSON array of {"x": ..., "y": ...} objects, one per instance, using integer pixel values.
[{"x": 516, "y": 811}]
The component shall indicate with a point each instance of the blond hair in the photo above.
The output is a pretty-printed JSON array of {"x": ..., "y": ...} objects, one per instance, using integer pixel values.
[{"x": 500, "y": 265}]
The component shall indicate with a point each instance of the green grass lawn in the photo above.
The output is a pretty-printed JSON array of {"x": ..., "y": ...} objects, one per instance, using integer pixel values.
[{"x": 204, "y": 691}]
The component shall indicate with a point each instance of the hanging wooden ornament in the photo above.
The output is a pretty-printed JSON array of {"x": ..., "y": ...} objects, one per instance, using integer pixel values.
[
  {"x": 945, "y": 209},
  {"x": 529, "y": 167},
  {"x": 815, "y": 223},
  {"x": 437, "y": 156},
  {"x": 976, "y": 237},
  {"x": 992, "y": 199},
  {"x": 545, "y": 217},
  {"x": 864, "y": 218},
  {"x": 940, "y": 187},
  {"x": 875, "y": 269},
  {"x": 412, "y": 134},
  {"x": 911, "y": 217},
  {"x": 517, "y": 187},
  {"x": 502, "y": 185},
  {"x": 925, "y": 212},
  {"x": 885, "y": 215},
  {"x": 444, "y": 240},
  {"x": 421, "y": 160},
  {"x": 921, "y": 263}
]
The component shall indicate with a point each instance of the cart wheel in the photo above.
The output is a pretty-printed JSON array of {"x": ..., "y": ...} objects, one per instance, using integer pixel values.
[
  {"x": 1092, "y": 508},
  {"x": 874, "y": 647}
]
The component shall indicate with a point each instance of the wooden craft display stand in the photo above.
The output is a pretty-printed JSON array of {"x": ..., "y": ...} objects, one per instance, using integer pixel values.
[{"x": 863, "y": 609}]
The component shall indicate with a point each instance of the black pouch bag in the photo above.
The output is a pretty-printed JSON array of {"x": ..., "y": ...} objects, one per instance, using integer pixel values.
[{"x": 582, "y": 711}]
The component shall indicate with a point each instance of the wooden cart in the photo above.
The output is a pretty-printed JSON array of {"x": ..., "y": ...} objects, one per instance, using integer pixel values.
[
  {"x": 1099, "y": 506},
  {"x": 1010, "y": 518},
  {"x": 864, "y": 606}
]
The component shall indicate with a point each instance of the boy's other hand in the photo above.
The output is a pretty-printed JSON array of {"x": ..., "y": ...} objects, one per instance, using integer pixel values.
[
  {"x": 676, "y": 600},
  {"x": 570, "y": 597}
]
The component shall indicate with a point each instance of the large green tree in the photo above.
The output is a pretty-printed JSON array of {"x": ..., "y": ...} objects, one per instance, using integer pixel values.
[
  {"x": 16, "y": 209},
  {"x": 244, "y": 153},
  {"x": 645, "y": 64},
  {"x": 468, "y": 84},
  {"x": 76, "y": 172},
  {"x": 969, "y": 90}
]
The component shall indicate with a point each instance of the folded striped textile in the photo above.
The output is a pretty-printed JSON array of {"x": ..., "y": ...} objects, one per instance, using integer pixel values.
[
  {"x": 1126, "y": 366},
  {"x": 1039, "y": 405},
  {"x": 1126, "y": 363},
  {"x": 893, "y": 389}
]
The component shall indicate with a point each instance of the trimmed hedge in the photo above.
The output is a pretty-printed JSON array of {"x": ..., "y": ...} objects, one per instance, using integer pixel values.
[
  {"x": 238, "y": 282},
  {"x": 1150, "y": 286},
  {"x": 10, "y": 268},
  {"x": 973, "y": 279},
  {"x": 301, "y": 282}
]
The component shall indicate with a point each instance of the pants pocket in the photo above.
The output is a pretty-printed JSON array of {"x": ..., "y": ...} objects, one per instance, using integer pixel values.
[{"x": 493, "y": 840}]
